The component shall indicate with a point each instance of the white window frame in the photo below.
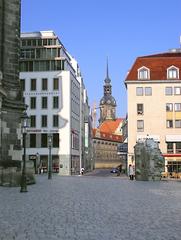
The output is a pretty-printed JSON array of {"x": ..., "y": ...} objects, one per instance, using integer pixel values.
[
  {"x": 169, "y": 107},
  {"x": 177, "y": 90},
  {"x": 169, "y": 123},
  {"x": 140, "y": 108},
  {"x": 137, "y": 88},
  {"x": 177, "y": 107},
  {"x": 171, "y": 72},
  {"x": 178, "y": 123},
  {"x": 148, "y": 91},
  {"x": 170, "y": 93},
  {"x": 143, "y": 73},
  {"x": 140, "y": 125}
]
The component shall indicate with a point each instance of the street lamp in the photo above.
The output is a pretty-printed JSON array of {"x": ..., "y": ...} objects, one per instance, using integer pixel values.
[
  {"x": 37, "y": 163},
  {"x": 24, "y": 126},
  {"x": 50, "y": 138}
]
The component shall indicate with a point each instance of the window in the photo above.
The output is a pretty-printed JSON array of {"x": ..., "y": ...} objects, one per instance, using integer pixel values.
[
  {"x": 33, "y": 84},
  {"x": 44, "y": 120},
  {"x": 22, "y": 84},
  {"x": 139, "y": 108},
  {"x": 55, "y": 121},
  {"x": 169, "y": 147},
  {"x": 177, "y": 90},
  {"x": 178, "y": 147},
  {"x": 33, "y": 102},
  {"x": 55, "y": 102},
  {"x": 32, "y": 140},
  {"x": 44, "y": 102},
  {"x": 169, "y": 123},
  {"x": 169, "y": 107},
  {"x": 140, "y": 125},
  {"x": 32, "y": 121},
  {"x": 168, "y": 91},
  {"x": 44, "y": 140},
  {"x": 143, "y": 73},
  {"x": 178, "y": 123},
  {"x": 44, "y": 83},
  {"x": 75, "y": 141},
  {"x": 172, "y": 73},
  {"x": 56, "y": 140},
  {"x": 55, "y": 84},
  {"x": 177, "y": 107},
  {"x": 139, "y": 91},
  {"x": 148, "y": 91}
]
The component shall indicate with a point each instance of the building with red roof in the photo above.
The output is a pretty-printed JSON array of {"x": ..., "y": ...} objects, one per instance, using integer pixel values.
[{"x": 154, "y": 105}]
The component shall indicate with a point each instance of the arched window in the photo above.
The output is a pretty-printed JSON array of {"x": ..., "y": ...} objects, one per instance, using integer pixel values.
[
  {"x": 172, "y": 73},
  {"x": 143, "y": 73}
]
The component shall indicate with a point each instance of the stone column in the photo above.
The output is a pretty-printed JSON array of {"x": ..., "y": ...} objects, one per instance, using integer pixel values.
[{"x": 11, "y": 105}]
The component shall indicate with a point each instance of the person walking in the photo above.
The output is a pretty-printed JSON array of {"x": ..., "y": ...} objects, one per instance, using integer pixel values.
[
  {"x": 82, "y": 170},
  {"x": 131, "y": 172}
]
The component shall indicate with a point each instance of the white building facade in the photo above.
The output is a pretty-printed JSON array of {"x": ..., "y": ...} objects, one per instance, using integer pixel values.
[{"x": 52, "y": 91}]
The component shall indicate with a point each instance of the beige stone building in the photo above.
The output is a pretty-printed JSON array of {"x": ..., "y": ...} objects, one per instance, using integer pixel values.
[
  {"x": 106, "y": 139},
  {"x": 154, "y": 105}
]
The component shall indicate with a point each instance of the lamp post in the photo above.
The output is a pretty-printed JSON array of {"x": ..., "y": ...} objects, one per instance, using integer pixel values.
[
  {"x": 37, "y": 163},
  {"x": 50, "y": 138},
  {"x": 24, "y": 125}
]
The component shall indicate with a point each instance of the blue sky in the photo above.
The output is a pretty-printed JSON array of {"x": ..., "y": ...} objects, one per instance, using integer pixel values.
[{"x": 91, "y": 30}]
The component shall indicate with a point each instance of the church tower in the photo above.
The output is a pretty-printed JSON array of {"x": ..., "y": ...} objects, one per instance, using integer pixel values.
[{"x": 107, "y": 103}]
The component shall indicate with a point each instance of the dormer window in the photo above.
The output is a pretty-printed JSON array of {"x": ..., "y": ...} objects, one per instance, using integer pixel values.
[
  {"x": 172, "y": 73},
  {"x": 143, "y": 73}
]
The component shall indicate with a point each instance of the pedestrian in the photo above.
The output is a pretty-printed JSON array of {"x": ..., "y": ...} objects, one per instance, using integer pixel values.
[
  {"x": 131, "y": 172},
  {"x": 82, "y": 170}
]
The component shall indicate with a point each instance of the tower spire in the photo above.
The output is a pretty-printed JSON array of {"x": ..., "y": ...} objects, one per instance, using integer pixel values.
[
  {"x": 107, "y": 69},
  {"x": 107, "y": 79}
]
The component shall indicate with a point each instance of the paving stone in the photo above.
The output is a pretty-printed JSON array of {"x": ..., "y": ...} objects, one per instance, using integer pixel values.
[{"x": 91, "y": 208}]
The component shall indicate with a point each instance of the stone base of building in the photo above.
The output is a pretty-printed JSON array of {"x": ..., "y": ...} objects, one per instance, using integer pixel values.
[{"x": 11, "y": 176}]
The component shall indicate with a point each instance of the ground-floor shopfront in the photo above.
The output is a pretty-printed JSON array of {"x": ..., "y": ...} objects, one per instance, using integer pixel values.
[{"x": 173, "y": 165}]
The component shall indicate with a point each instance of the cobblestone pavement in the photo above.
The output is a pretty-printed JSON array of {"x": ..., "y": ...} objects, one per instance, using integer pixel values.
[{"x": 91, "y": 208}]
